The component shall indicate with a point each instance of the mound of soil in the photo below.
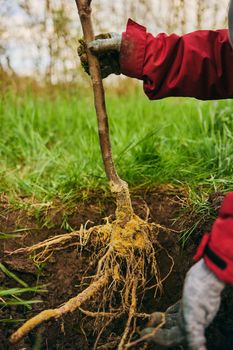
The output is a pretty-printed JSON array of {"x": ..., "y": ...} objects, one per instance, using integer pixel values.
[{"x": 64, "y": 271}]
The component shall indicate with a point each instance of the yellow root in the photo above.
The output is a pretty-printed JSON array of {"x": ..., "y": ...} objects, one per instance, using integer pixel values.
[
  {"x": 128, "y": 257},
  {"x": 147, "y": 336},
  {"x": 49, "y": 245},
  {"x": 97, "y": 314},
  {"x": 102, "y": 330},
  {"x": 132, "y": 312},
  {"x": 134, "y": 235},
  {"x": 111, "y": 345},
  {"x": 70, "y": 306},
  {"x": 60, "y": 239}
]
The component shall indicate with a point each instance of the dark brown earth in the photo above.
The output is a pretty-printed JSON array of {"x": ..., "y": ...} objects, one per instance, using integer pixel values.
[{"x": 64, "y": 271}]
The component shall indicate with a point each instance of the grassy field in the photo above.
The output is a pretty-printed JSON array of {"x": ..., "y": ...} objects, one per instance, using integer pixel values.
[
  {"x": 49, "y": 145},
  {"x": 49, "y": 149}
]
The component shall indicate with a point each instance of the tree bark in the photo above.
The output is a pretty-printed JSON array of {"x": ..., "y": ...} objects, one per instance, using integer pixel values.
[{"x": 118, "y": 186}]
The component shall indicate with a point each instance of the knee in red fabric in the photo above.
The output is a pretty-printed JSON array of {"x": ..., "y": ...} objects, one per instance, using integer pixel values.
[{"x": 217, "y": 247}]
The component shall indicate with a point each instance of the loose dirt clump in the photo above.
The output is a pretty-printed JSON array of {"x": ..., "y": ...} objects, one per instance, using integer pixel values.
[{"x": 69, "y": 270}]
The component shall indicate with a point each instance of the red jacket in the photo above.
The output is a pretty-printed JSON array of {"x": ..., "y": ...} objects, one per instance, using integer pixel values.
[
  {"x": 217, "y": 247},
  {"x": 198, "y": 64}
]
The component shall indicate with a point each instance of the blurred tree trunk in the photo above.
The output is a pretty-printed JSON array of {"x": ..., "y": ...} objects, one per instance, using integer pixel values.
[
  {"x": 47, "y": 22},
  {"x": 49, "y": 28},
  {"x": 183, "y": 16},
  {"x": 215, "y": 15},
  {"x": 200, "y": 13}
]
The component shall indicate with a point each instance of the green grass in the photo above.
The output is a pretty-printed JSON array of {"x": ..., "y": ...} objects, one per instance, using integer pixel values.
[
  {"x": 12, "y": 296},
  {"x": 49, "y": 145}
]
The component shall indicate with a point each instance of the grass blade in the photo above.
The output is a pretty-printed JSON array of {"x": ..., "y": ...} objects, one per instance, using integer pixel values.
[
  {"x": 20, "y": 302},
  {"x": 12, "y": 275},
  {"x": 9, "y": 320},
  {"x": 15, "y": 291}
]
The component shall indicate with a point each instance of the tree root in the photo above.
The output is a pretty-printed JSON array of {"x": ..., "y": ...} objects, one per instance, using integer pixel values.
[
  {"x": 127, "y": 264},
  {"x": 44, "y": 249},
  {"x": 103, "y": 328},
  {"x": 132, "y": 312},
  {"x": 147, "y": 336},
  {"x": 70, "y": 306}
]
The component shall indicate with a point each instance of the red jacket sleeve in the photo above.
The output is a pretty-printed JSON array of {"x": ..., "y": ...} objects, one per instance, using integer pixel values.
[
  {"x": 198, "y": 64},
  {"x": 216, "y": 247}
]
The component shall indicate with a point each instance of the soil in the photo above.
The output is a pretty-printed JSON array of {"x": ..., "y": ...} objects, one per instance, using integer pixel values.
[{"x": 64, "y": 272}]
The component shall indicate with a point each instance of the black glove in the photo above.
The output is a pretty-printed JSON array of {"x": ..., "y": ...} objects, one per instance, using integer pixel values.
[
  {"x": 187, "y": 320},
  {"x": 107, "y": 48},
  {"x": 172, "y": 332}
]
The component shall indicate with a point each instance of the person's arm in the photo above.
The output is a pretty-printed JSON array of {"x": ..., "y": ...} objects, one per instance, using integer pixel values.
[
  {"x": 204, "y": 282},
  {"x": 198, "y": 64}
]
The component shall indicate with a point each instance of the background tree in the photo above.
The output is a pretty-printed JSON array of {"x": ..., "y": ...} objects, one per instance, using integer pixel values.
[{"x": 40, "y": 38}]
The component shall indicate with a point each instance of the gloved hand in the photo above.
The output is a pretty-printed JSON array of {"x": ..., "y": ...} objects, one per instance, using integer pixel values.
[
  {"x": 172, "y": 332},
  {"x": 187, "y": 320},
  {"x": 107, "y": 48}
]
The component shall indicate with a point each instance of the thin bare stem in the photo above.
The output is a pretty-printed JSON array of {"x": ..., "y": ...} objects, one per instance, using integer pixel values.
[{"x": 118, "y": 186}]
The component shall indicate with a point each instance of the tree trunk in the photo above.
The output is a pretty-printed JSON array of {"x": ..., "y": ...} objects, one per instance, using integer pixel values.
[{"x": 118, "y": 186}]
